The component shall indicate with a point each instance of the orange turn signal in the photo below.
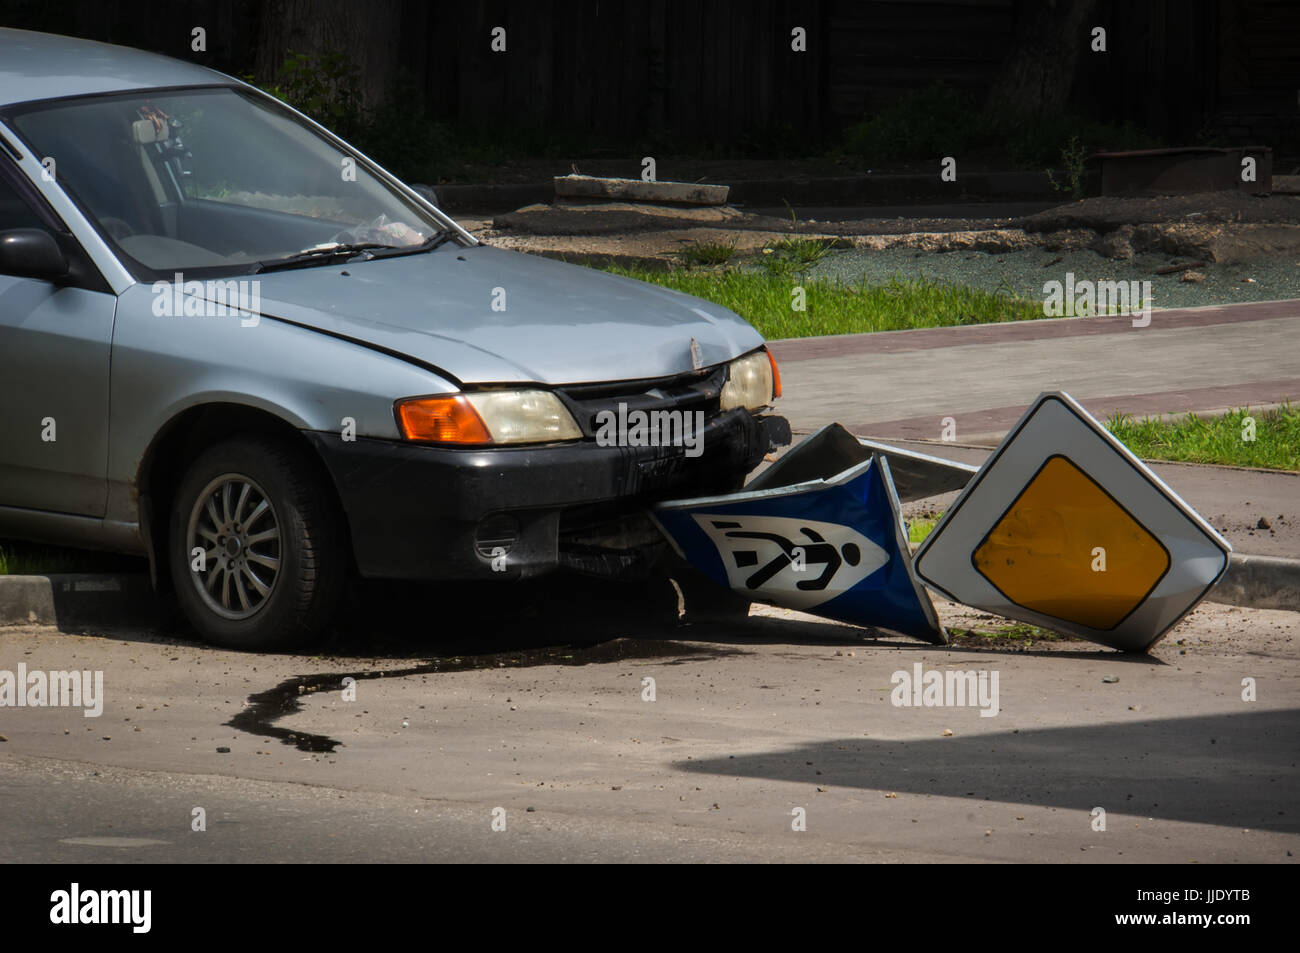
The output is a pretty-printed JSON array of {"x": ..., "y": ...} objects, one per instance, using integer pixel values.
[
  {"x": 450, "y": 419},
  {"x": 776, "y": 375}
]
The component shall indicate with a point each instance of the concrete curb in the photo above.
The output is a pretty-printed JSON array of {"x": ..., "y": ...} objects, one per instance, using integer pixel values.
[
  {"x": 1253, "y": 582},
  {"x": 69, "y": 598},
  {"x": 1256, "y": 582},
  {"x": 1259, "y": 582}
]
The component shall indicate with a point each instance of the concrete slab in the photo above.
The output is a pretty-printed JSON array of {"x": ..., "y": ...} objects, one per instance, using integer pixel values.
[{"x": 639, "y": 190}]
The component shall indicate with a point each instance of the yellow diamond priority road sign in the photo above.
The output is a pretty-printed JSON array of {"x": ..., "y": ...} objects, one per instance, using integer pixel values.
[
  {"x": 1054, "y": 527},
  {"x": 1064, "y": 528}
]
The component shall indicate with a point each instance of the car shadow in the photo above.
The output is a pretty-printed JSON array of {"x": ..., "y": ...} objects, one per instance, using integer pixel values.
[
  {"x": 1230, "y": 770},
  {"x": 401, "y": 620}
]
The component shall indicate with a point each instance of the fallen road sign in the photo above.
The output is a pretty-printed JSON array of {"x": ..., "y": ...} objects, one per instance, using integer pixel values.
[
  {"x": 918, "y": 476},
  {"x": 832, "y": 450},
  {"x": 834, "y": 547},
  {"x": 1064, "y": 528}
]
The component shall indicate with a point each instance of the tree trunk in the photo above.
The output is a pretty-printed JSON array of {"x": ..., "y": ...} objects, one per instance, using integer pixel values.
[{"x": 1036, "y": 77}]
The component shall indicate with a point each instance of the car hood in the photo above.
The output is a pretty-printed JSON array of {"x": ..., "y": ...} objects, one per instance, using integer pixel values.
[{"x": 553, "y": 323}]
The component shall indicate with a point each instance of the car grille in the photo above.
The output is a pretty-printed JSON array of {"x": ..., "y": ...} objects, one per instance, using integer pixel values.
[{"x": 698, "y": 390}]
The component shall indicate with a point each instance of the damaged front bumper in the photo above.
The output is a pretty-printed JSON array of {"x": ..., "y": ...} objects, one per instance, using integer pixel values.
[{"x": 421, "y": 512}]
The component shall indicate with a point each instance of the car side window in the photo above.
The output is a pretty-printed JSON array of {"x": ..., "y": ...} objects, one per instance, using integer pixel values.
[
  {"x": 15, "y": 212},
  {"x": 21, "y": 207}
]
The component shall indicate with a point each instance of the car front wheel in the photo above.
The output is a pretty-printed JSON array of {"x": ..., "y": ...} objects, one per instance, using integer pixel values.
[{"x": 256, "y": 554}]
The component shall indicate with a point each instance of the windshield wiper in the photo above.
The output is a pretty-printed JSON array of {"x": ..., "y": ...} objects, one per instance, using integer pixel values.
[
  {"x": 314, "y": 256},
  {"x": 429, "y": 244},
  {"x": 327, "y": 253}
]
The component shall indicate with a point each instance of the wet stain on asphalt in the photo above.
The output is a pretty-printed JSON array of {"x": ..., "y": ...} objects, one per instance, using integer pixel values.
[{"x": 264, "y": 709}]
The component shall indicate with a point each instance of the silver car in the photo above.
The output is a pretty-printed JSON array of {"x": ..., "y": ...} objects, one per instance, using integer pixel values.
[{"x": 235, "y": 345}]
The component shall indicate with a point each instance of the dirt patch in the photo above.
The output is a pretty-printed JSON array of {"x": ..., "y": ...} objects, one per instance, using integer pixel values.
[
  {"x": 1107, "y": 213},
  {"x": 1216, "y": 227},
  {"x": 995, "y": 241},
  {"x": 607, "y": 218},
  {"x": 653, "y": 249},
  {"x": 1206, "y": 243}
]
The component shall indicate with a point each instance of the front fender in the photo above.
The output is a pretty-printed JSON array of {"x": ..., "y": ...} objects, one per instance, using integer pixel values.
[{"x": 165, "y": 366}]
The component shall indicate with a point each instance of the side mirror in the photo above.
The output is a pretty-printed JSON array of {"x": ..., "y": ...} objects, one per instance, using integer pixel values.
[{"x": 31, "y": 253}]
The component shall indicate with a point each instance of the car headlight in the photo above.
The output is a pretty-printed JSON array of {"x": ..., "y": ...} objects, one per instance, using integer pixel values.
[
  {"x": 487, "y": 417},
  {"x": 752, "y": 381}
]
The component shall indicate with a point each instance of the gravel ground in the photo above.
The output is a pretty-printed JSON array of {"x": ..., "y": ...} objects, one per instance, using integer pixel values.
[{"x": 1025, "y": 272}]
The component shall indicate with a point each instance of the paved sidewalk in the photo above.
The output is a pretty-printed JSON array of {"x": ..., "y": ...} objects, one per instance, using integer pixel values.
[{"x": 899, "y": 386}]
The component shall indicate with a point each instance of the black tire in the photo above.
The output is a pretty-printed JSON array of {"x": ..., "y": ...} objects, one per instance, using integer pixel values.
[{"x": 223, "y": 598}]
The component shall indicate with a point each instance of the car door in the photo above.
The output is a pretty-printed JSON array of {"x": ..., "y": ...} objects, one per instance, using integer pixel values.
[{"x": 55, "y": 340}]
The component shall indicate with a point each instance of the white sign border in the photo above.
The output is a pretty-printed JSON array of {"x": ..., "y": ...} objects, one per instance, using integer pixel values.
[{"x": 1056, "y": 424}]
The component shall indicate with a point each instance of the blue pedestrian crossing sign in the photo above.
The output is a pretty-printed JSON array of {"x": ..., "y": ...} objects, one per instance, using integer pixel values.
[{"x": 835, "y": 548}]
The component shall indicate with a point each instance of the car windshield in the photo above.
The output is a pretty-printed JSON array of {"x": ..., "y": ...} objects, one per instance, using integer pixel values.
[{"x": 216, "y": 180}]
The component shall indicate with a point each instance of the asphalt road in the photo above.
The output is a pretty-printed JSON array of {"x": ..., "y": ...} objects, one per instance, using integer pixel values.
[{"x": 748, "y": 723}]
